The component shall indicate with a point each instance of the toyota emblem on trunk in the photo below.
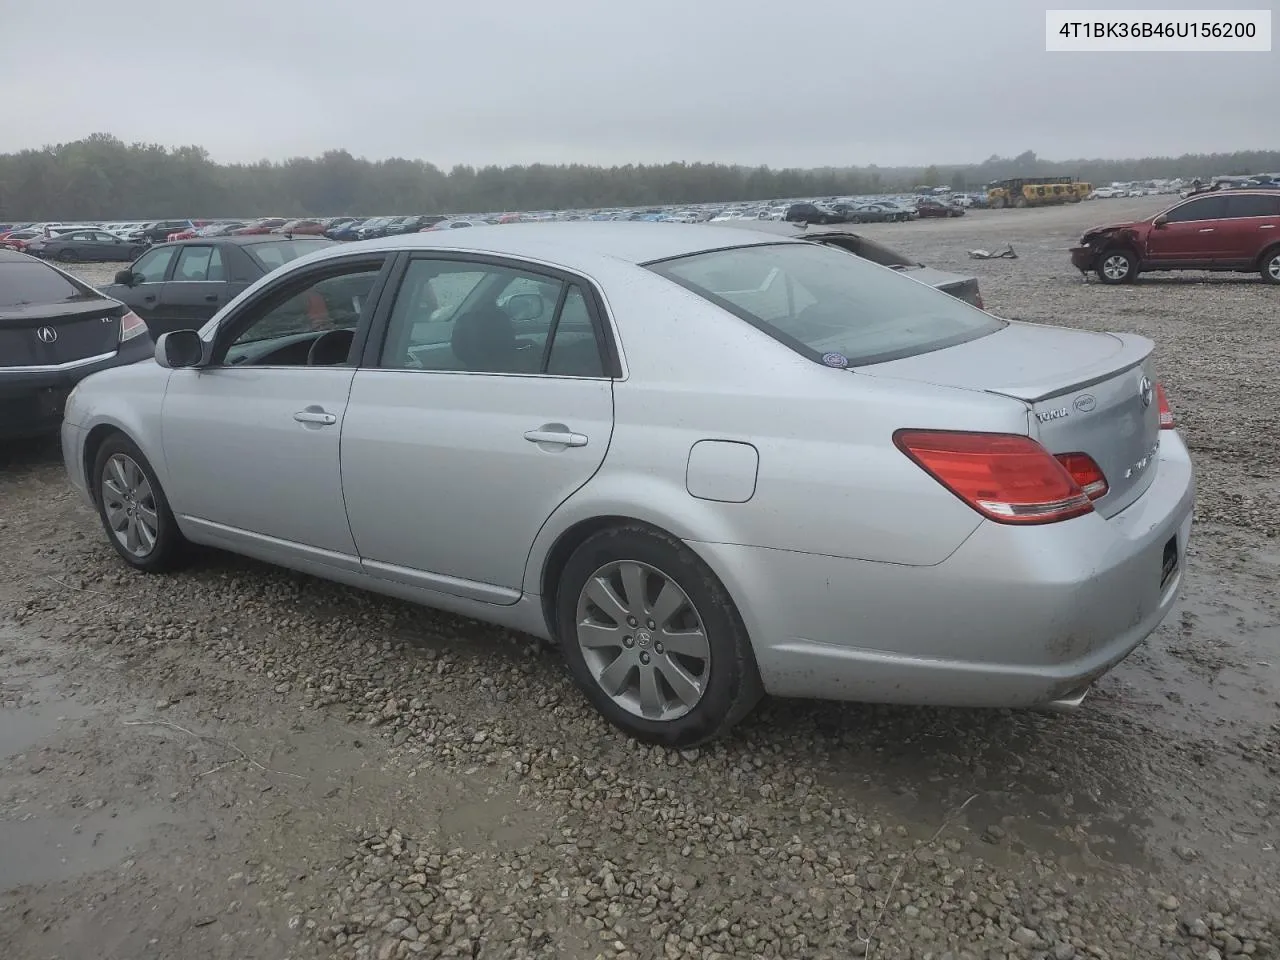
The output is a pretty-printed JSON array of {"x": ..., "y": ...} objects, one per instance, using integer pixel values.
[
  {"x": 47, "y": 334},
  {"x": 1145, "y": 389}
]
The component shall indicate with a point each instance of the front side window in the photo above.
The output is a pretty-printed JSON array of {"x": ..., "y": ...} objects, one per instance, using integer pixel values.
[
  {"x": 1205, "y": 208},
  {"x": 151, "y": 267},
  {"x": 483, "y": 318},
  {"x": 820, "y": 301},
  {"x": 282, "y": 328}
]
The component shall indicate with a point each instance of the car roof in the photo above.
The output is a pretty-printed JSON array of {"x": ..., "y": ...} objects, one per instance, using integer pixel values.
[{"x": 631, "y": 241}]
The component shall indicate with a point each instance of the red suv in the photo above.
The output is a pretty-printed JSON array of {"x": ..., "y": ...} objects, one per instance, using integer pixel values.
[{"x": 1227, "y": 230}]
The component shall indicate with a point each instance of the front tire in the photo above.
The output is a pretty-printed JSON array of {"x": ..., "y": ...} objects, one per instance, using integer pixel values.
[
  {"x": 653, "y": 638},
  {"x": 1117, "y": 266},
  {"x": 1270, "y": 265},
  {"x": 133, "y": 508},
  {"x": 68, "y": 256}
]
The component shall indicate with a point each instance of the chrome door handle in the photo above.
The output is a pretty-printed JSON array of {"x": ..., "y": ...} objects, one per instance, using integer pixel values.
[
  {"x": 315, "y": 416},
  {"x": 1206, "y": 229},
  {"x": 561, "y": 437},
  {"x": 1266, "y": 226}
]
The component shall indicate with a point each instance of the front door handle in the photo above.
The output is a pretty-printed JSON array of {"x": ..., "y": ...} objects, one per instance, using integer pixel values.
[
  {"x": 1266, "y": 226},
  {"x": 1206, "y": 229},
  {"x": 211, "y": 297},
  {"x": 312, "y": 415},
  {"x": 559, "y": 437}
]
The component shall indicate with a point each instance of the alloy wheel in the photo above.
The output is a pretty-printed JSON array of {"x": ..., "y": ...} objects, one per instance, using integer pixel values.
[
  {"x": 1273, "y": 268},
  {"x": 130, "y": 505},
  {"x": 1116, "y": 267},
  {"x": 643, "y": 640}
]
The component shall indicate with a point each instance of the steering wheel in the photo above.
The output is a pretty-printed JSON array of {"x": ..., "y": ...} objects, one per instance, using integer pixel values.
[{"x": 330, "y": 348}]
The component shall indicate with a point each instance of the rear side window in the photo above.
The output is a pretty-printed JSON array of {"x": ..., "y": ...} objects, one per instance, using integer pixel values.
[
  {"x": 1252, "y": 205},
  {"x": 276, "y": 253},
  {"x": 820, "y": 301},
  {"x": 25, "y": 282}
]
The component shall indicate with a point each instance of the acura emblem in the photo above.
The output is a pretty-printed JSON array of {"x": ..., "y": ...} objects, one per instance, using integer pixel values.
[
  {"x": 47, "y": 334},
  {"x": 1145, "y": 389}
]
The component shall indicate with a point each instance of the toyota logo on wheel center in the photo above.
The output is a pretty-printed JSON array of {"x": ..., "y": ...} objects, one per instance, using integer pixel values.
[
  {"x": 642, "y": 638},
  {"x": 47, "y": 334}
]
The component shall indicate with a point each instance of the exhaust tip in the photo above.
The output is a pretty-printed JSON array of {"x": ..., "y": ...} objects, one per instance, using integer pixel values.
[{"x": 1069, "y": 703}]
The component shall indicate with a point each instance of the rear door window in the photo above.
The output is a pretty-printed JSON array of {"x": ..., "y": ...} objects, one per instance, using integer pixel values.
[
  {"x": 197, "y": 264},
  {"x": 1253, "y": 205}
]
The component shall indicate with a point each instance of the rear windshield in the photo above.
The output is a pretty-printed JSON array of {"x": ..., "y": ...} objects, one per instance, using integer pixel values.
[
  {"x": 276, "y": 253},
  {"x": 820, "y": 301},
  {"x": 26, "y": 282}
]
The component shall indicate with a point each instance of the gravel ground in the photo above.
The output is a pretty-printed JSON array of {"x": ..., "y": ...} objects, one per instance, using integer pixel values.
[{"x": 237, "y": 761}]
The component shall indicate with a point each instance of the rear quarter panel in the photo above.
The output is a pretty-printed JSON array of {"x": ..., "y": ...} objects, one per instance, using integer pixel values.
[{"x": 830, "y": 480}]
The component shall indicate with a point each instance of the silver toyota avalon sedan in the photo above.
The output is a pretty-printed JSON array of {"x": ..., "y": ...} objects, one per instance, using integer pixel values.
[{"x": 708, "y": 463}]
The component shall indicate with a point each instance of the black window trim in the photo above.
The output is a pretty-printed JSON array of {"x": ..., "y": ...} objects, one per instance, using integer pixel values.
[
  {"x": 294, "y": 283},
  {"x": 604, "y": 330}
]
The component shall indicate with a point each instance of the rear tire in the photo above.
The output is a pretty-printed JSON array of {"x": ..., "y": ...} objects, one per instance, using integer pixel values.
[
  {"x": 68, "y": 256},
  {"x": 1020, "y": 202},
  {"x": 1269, "y": 265},
  {"x": 1117, "y": 266},
  {"x": 133, "y": 508},
  {"x": 628, "y": 597}
]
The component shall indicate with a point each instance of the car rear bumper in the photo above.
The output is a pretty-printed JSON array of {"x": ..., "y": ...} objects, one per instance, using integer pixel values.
[
  {"x": 1084, "y": 259},
  {"x": 1016, "y": 617},
  {"x": 31, "y": 399}
]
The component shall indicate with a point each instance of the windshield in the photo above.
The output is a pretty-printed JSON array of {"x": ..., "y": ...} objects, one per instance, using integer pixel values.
[
  {"x": 820, "y": 301},
  {"x": 25, "y": 282},
  {"x": 276, "y": 253}
]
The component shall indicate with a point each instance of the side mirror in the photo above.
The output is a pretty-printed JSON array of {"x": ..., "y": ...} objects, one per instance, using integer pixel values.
[
  {"x": 124, "y": 277},
  {"x": 1160, "y": 222},
  {"x": 179, "y": 348},
  {"x": 523, "y": 307}
]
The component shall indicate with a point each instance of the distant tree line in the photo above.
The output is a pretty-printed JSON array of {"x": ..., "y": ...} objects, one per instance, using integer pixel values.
[{"x": 100, "y": 178}]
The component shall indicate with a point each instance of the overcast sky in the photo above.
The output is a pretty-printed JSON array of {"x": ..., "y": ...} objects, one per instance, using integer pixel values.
[{"x": 807, "y": 83}]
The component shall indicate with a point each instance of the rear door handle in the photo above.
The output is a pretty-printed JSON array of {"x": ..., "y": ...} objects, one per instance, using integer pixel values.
[
  {"x": 1206, "y": 229},
  {"x": 311, "y": 415},
  {"x": 562, "y": 438},
  {"x": 211, "y": 297},
  {"x": 1266, "y": 226}
]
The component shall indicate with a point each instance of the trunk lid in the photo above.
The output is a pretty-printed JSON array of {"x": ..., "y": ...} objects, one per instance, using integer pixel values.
[
  {"x": 1085, "y": 392},
  {"x": 45, "y": 335}
]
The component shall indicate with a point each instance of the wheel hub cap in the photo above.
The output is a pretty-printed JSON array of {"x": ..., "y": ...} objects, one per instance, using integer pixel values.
[
  {"x": 643, "y": 640},
  {"x": 129, "y": 505}
]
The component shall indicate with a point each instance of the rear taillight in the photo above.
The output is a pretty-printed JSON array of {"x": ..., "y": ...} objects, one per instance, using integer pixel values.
[
  {"x": 1005, "y": 477},
  {"x": 1166, "y": 412},
  {"x": 1086, "y": 473},
  {"x": 131, "y": 325}
]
